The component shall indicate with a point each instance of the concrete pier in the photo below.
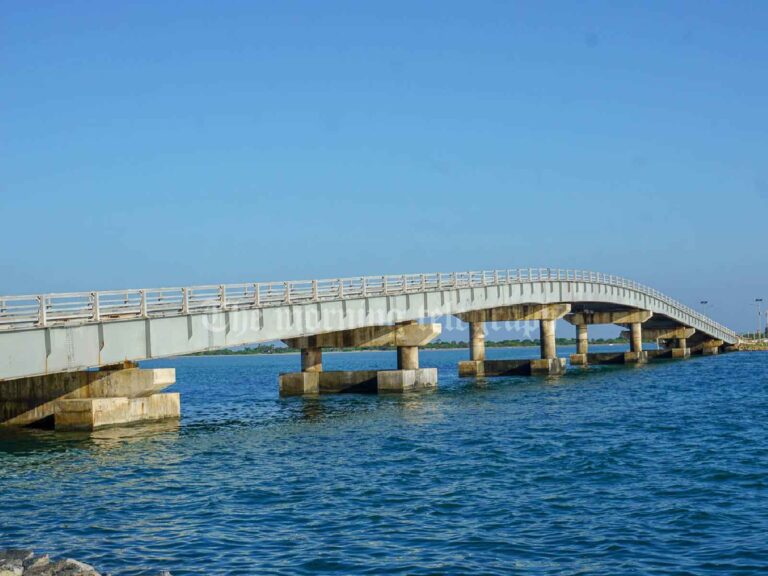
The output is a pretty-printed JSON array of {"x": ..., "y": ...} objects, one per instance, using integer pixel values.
[
  {"x": 633, "y": 317},
  {"x": 27, "y": 401},
  {"x": 547, "y": 364},
  {"x": 407, "y": 337}
]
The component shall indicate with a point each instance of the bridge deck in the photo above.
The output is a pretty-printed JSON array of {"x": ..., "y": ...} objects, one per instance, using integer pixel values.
[{"x": 51, "y": 333}]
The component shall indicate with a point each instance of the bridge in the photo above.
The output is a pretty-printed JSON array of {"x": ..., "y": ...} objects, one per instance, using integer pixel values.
[{"x": 72, "y": 357}]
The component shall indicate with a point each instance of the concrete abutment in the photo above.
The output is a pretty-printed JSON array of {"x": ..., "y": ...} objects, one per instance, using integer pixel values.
[{"x": 87, "y": 400}]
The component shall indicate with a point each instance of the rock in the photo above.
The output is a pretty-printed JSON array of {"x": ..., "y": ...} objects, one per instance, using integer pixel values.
[
  {"x": 12, "y": 561},
  {"x": 14, "y": 555},
  {"x": 70, "y": 567},
  {"x": 36, "y": 562}
]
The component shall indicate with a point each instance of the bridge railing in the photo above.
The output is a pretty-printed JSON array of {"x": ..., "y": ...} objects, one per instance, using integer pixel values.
[{"x": 18, "y": 312}]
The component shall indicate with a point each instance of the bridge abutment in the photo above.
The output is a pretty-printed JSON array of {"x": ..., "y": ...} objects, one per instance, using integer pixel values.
[{"x": 87, "y": 400}]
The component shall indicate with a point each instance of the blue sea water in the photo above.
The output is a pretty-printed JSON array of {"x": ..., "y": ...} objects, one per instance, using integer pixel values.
[{"x": 658, "y": 469}]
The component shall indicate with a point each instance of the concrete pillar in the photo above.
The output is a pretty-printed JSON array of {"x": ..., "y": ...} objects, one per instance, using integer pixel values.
[
  {"x": 582, "y": 339},
  {"x": 476, "y": 341},
  {"x": 407, "y": 357},
  {"x": 312, "y": 359},
  {"x": 682, "y": 343},
  {"x": 547, "y": 334},
  {"x": 636, "y": 337}
]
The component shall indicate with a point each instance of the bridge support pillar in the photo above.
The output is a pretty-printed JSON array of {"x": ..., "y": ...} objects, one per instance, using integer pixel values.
[
  {"x": 582, "y": 345},
  {"x": 549, "y": 364},
  {"x": 477, "y": 341},
  {"x": 408, "y": 358},
  {"x": 312, "y": 359},
  {"x": 635, "y": 353},
  {"x": 681, "y": 350}
]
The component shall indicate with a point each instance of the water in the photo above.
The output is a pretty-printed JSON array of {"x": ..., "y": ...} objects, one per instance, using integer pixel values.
[{"x": 655, "y": 469}]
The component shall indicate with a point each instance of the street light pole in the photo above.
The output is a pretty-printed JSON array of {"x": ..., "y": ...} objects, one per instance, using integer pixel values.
[{"x": 759, "y": 318}]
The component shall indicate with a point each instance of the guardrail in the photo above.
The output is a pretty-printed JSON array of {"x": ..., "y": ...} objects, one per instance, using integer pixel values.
[{"x": 17, "y": 312}]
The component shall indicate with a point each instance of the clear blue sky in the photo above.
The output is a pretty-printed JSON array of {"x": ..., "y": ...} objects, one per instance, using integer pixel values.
[{"x": 168, "y": 143}]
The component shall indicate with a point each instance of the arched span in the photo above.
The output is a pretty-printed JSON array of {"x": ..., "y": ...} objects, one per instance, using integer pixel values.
[{"x": 51, "y": 333}]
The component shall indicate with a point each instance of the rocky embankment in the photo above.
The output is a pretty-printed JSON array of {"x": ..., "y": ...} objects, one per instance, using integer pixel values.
[{"x": 27, "y": 563}]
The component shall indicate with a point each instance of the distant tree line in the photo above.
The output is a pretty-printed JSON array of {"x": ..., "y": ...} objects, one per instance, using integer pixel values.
[{"x": 437, "y": 345}]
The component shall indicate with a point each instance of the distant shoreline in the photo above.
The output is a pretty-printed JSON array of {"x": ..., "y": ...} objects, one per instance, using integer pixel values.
[{"x": 362, "y": 350}]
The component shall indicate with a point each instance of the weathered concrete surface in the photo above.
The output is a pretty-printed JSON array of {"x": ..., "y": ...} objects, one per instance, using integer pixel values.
[
  {"x": 389, "y": 381},
  {"x": 332, "y": 382},
  {"x": 548, "y": 366},
  {"x": 27, "y": 400},
  {"x": 521, "y": 312},
  {"x": 707, "y": 348},
  {"x": 579, "y": 359},
  {"x": 299, "y": 383},
  {"x": 663, "y": 333},
  {"x": 407, "y": 357},
  {"x": 605, "y": 358},
  {"x": 476, "y": 341},
  {"x": 582, "y": 339},
  {"x": 93, "y": 413},
  {"x": 548, "y": 339},
  {"x": 411, "y": 334},
  {"x": 629, "y": 316},
  {"x": 669, "y": 353},
  {"x": 357, "y": 381},
  {"x": 482, "y": 368},
  {"x": 311, "y": 359}
]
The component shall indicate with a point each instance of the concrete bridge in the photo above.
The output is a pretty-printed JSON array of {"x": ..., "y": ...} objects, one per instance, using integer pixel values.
[{"x": 51, "y": 344}]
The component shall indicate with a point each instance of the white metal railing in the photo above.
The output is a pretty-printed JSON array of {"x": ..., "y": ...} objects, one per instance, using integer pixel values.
[{"x": 17, "y": 312}]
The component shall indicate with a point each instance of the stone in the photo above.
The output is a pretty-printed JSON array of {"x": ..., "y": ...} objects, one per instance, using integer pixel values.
[{"x": 70, "y": 567}]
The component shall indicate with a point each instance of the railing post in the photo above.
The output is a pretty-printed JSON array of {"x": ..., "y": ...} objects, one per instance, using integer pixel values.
[
  {"x": 495, "y": 277},
  {"x": 341, "y": 287},
  {"x": 42, "y": 314},
  {"x": 95, "y": 303},
  {"x": 364, "y": 287},
  {"x": 405, "y": 283},
  {"x": 222, "y": 297},
  {"x": 423, "y": 282},
  {"x": 384, "y": 284},
  {"x": 143, "y": 303},
  {"x": 287, "y": 289},
  {"x": 185, "y": 301},
  {"x": 314, "y": 291},
  {"x": 256, "y": 295}
]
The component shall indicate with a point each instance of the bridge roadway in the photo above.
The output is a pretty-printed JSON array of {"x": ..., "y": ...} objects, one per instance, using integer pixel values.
[{"x": 49, "y": 335}]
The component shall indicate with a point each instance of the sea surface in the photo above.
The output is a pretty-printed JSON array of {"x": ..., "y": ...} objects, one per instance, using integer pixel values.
[{"x": 658, "y": 469}]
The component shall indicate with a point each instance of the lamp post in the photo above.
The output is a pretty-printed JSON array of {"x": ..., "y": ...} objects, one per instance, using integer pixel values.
[{"x": 759, "y": 318}]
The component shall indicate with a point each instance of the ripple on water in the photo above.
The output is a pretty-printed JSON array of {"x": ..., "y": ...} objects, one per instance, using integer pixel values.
[{"x": 608, "y": 470}]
